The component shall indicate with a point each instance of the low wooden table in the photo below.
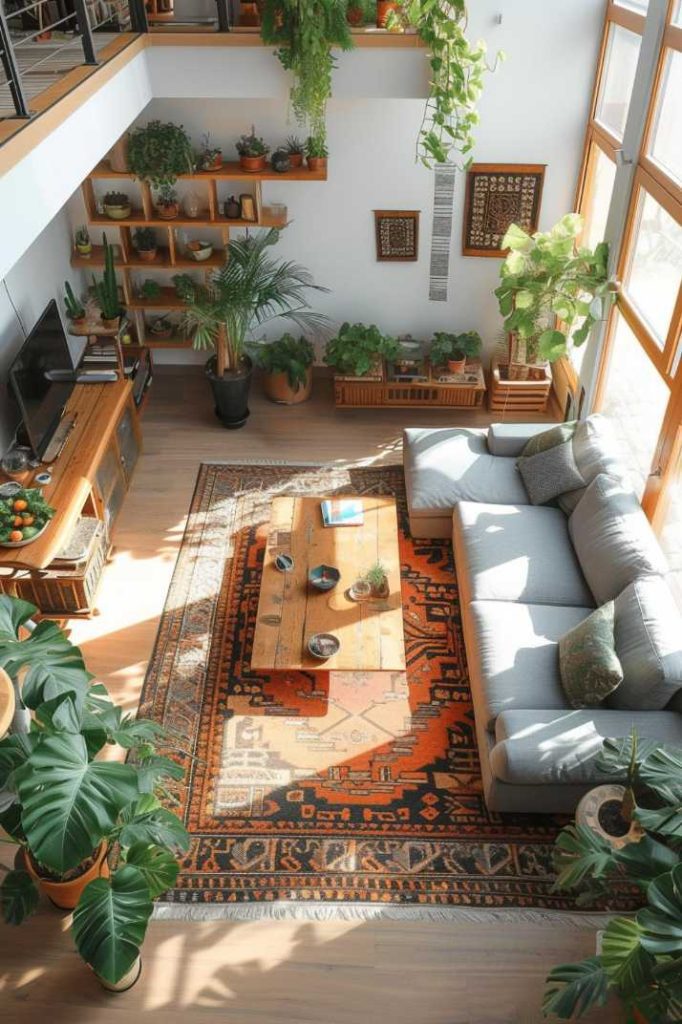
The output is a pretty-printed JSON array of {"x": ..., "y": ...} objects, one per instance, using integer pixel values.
[{"x": 290, "y": 610}]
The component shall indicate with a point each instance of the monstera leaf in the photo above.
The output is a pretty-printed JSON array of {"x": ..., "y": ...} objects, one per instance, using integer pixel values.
[
  {"x": 626, "y": 962},
  {"x": 573, "y": 988},
  {"x": 661, "y": 921},
  {"x": 53, "y": 665},
  {"x": 13, "y": 614},
  {"x": 618, "y": 755},
  {"x": 146, "y": 821},
  {"x": 18, "y": 897},
  {"x": 110, "y": 922},
  {"x": 580, "y": 855},
  {"x": 69, "y": 802},
  {"x": 159, "y": 866}
]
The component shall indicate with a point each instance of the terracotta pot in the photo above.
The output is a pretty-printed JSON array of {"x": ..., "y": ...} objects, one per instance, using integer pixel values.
[
  {"x": 277, "y": 388},
  {"x": 249, "y": 16},
  {"x": 296, "y": 160},
  {"x": 118, "y": 155},
  {"x": 383, "y": 9},
  {"x": 111, "y": 321},
  {"x": 253, "y": 164},
  {"x": 169, "y": 212},
  {"x": 317, "y": 163},
  {"x": 129, "y": 979},
  {"x": 215, "y": 164},
  {"x": 66, "y": 894},
  {"x": 456, "y": 365},
  {"x": 147, "y": 255}
]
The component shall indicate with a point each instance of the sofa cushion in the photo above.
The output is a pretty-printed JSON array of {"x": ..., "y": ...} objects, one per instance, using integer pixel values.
[
  {"x": 514, "y": 658},
  {"x": 517, "y": 553},
  {"x": 510, "y": 439},
  {"x": 648, "y": 634},
  {"x": 597, "y": 450},
  {"x": 449, "y": 465},
  {"x": 588, "y": 664},
  {"x": 556, "y": 435},
  {"x": 549, "y": 473},
  {"x": 562, "y": 746},
  {"x": 613, "y": 539}
]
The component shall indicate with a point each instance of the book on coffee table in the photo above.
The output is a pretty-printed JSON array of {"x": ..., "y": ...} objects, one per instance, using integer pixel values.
[{"x": 342, "y": 512}]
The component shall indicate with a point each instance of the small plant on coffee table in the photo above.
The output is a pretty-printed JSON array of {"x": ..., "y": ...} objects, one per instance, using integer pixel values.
[{"x": 377, "y": 578}]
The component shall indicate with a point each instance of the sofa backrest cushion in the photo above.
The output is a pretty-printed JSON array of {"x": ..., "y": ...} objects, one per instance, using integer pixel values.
[
  {"x": 549, "y": 473},
  {"x": 613, "y": 539},
  {"x": 596, "y": 450},
  {"x": 648, "y": 636},
  {"x": 556, "y": 435}
]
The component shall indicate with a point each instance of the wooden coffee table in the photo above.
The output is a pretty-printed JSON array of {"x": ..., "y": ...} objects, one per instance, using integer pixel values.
[{"x": 290, "y": 610}]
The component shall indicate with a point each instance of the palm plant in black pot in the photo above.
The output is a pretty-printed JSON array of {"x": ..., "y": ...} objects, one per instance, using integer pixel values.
[{"x": 252, "y": 289}]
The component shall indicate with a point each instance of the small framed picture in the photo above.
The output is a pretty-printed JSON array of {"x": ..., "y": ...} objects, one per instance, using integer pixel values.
[
  {"x": 248, "y": 207},
  {"x": 397, "y": 234},
  {"x": 498, "y": 195}
]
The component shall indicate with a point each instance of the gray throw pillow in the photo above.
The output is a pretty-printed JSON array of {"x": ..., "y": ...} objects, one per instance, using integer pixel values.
[
  {"x": 558, "y": 434},
  {"x": 588, "y": 664},
  {"x": 550, "y": 473}
]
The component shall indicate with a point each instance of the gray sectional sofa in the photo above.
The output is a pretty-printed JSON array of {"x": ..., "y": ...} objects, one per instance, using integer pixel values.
[{"x": 527, "y": 574}]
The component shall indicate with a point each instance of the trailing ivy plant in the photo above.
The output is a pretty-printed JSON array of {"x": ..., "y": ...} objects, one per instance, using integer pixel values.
[
  {"x": 305, "y": 32},
  {"x": 457, "y": 71}
]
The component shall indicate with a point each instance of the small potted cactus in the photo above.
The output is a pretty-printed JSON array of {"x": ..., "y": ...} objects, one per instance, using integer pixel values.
[
  {"x": 167, "y": 205},
  {"x": 377, "y": 580},
  {"x": 83, "y": 243},
  {"x": 74, "y": 307},
  {"x": 316, "y": 153},
  {"x": 210, "y": 157},
  {"x": 144, "y": 241},
  {"x": 295, "y": 148},
  {"x": 106, "y": 290},
  {"x": 117, "y": 205},
  {"x": 252, "y": 152}
]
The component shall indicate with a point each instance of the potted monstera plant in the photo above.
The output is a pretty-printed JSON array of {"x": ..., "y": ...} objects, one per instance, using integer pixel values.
[
  {"x": 252, "y": 289},
  {"x": 91, "y": 833},
  {"x": 640, "y": 958}
]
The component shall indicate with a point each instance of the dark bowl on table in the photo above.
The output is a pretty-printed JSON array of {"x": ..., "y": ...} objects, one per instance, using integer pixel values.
[{"x": 324, "y": 577}]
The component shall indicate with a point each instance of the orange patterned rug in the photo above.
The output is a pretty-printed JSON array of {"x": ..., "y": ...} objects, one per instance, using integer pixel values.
[{"x": 341, "y": 787}]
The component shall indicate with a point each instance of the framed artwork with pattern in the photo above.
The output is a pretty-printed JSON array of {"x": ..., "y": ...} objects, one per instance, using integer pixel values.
[
  {"x": 498, "y": 195},
  {"x": 397, "y": 234}
]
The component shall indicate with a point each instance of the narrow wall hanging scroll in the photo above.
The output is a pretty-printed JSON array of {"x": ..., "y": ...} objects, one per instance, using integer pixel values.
[{"x": 441, "y": 236}]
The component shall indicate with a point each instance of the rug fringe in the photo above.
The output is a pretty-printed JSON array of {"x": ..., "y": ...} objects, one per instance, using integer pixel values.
[{"x": 296, "y": 911}]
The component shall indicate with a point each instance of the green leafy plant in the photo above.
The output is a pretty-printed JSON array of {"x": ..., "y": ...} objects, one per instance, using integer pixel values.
[
  {"x": 252, "y": 145},
  {"x": 184, "y": 286},
  {"x": 547, "y": 275},
  {"x": 641, "y": 956},
  {"x": 457, "y": 70},
  {"x": 116, "y": 199},
  {"x": 304, "y": 31},
  {"x": 150, "y": 289},
  {"x": 446, "y": 346},
  {"x": 252, "y": 289},
  {"x": 159, "y": 152},
  {"x": 357, "y": 348},
  {"x": 316, "y": 146},
  {"x": 61, "y": 801},
  {"x": 74, "y": 307},
  {"x": 293, "y": 145},
  {"x": 209, "y": 154},
  {"x": 144, "y": 239},
  {"x": 290, "y": 355},
  {"x": 106, "y": 290},
  {"x": 166, "y": 196},
  {"x": 376, "y": 577},
  {"x": 82, "y": 236}
]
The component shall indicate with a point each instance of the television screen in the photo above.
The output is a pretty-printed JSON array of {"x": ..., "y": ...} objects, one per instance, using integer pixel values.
[{"x": 40, "y": 399}]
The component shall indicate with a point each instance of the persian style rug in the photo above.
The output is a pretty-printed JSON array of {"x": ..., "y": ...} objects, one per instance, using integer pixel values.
[{"x": 327, "y": 787}]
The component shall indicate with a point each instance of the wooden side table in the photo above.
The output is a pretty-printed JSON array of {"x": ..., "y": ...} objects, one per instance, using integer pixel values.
[{"x": 6, "y": 702}]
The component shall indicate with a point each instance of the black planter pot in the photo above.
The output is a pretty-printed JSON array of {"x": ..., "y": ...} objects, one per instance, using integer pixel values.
[{"x": 231, "y": 393}]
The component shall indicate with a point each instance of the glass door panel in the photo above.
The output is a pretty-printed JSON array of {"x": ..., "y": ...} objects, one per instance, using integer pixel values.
[
  {"x": 665, "y": 146},
  {"x": 618, "y": 75},
  {"x": 654, "y": 271}
]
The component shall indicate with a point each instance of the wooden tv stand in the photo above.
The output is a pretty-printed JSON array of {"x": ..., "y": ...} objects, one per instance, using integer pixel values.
[{"x": 90, "y": 477}]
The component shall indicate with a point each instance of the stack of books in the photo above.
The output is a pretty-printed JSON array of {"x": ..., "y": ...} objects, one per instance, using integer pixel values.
[{"x": 104, "y": 357}]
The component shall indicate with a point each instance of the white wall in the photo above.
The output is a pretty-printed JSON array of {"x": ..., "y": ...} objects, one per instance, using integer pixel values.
[{"x": 38, "y": 277}]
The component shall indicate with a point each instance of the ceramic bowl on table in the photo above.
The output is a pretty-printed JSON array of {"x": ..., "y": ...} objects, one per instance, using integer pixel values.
[
  {"x": 200, "y": 251},
  {"x": 323, "y": 645},
  {"x": 324, "y": 577}
]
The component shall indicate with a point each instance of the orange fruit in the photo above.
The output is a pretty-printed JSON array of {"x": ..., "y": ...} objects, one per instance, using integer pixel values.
[
  {"x": 17, "y": 521},
  {"x": 19, "y": 505},
  {"x": 15, "y": 536},
  {"x": 26, "y": 519}
]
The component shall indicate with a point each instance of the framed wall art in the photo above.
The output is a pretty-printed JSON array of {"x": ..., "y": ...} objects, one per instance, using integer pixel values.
[
  {"x": 498, "y": 195},
  {"x": 397, "y": 234}
]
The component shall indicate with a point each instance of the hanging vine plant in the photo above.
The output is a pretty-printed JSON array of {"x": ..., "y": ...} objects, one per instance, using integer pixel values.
[
  {"x": 458, "y": 68},
  {"x": 305, "y": 32}
]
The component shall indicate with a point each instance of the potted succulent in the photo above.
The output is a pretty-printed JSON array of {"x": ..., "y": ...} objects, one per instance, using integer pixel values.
[
  {"x": 150, "y": 289},
  {"x": 74, "y": 307},
  {"x": 316, "y": 153},
  {"x": 295, "y": 148},
  {"x": 159, "y": 153},
  {"x": 280, "y": 162},
  {"x": 144, "y": 241},
  {"x": 106, "y": 290},
  {"x": 91, "y": 832},
  {"x": 210, "y": 157},
  {"x": 184, "y": 286},
  {"x": 116, "y": 205},
  {"x": 252, "y": 289},
  {"x": 377, "y": 580},
  {"x": 288, "y": 366},
  {"x": 455, "y": 349},
  {"x": 83, "y": 243},
  {"x": 167, "y": 206},
  {"x": 545, "y": 276},
  {"x": 252, "y": 152},
  {"x": 199, "y": 250},
  {"x": 640, "y": 956},
  {"x": 161, "y": 328},
  {"x": 358, "y": 350}
]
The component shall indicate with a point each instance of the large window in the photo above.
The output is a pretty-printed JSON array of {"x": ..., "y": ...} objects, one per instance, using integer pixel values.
[{"x": 639, "y": 379}]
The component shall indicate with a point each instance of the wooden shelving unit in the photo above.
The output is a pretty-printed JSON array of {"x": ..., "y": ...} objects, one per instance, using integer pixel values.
[{"x": 171, "y": 255}]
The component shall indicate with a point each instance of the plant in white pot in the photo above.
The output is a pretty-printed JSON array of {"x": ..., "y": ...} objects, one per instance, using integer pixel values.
[
  {"x": 252, "y": 289},
  {"x": 91, "y": 833}
]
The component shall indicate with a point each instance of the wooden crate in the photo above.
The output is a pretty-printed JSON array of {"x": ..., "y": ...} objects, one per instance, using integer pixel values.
[
  {"x": 69, "y": 588},
  {"x": 517, "y": 395},
  {"x": 364, "y": 394}
]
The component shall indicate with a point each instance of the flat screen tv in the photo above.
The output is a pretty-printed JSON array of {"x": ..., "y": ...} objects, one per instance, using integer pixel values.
[{"x": 41, "y": 400}]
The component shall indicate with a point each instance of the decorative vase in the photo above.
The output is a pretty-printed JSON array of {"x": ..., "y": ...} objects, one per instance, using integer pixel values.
[
  {"x": 278, "y": 389},
  {"x": 233, "y": 209},
  {"x": 168, "y": 211},
  {"x": 280, "y": 161},
  {"x": 231, "y": 393},
  {"x": 192, "y": 204},
  {"x": 66, "y": 895}
]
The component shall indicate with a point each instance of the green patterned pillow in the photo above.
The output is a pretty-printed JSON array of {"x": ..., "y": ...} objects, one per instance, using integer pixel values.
[
  {"x": 559, "y": 434},
  {"x": 588, "y": 663}
]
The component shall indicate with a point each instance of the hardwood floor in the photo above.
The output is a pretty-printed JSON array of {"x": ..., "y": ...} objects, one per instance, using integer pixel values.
[{"x": 265, "y": 972}]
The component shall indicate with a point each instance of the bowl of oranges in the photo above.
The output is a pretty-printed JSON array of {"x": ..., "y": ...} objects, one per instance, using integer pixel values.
[{"x": 24, "y": 515}]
